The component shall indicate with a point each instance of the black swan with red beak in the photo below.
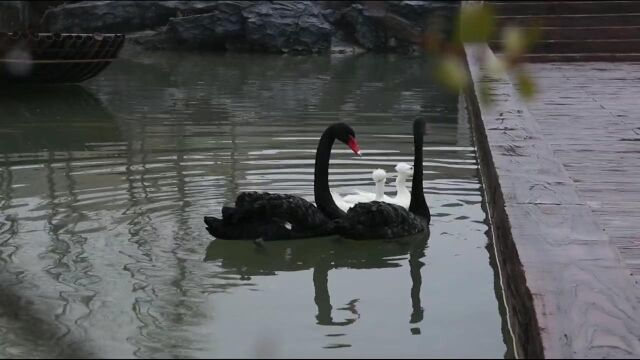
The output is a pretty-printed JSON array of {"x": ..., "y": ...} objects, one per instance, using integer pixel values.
[{"x": 267, "y": 216}]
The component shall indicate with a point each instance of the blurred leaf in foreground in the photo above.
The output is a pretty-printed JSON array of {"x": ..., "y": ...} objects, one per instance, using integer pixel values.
[
  {"x": 484, "y": 95},
  {"x": 526, "y": 85},
  {"x": 495, "y": 66},
  {"x": 452, "y": 72},
  {"x": 514, "y": 41},
  {"x": 477, "y": 23},
  {"x": 517, "y": 41}
]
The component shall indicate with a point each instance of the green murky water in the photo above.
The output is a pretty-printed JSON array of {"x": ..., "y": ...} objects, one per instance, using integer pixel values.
[{"x": 103, "y": 187}]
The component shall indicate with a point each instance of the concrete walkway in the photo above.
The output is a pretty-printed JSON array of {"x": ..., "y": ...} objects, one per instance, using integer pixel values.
[
  {"x": 589, "y": 113},
  {"x": 569, "y": 292}
]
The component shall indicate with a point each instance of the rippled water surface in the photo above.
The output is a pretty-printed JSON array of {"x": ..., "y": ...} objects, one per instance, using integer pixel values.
[{"x": 103, "y": 186}]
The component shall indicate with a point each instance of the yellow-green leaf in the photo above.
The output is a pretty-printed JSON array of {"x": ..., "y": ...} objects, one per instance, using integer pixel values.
[
  {"x": 514, "y": 41},
  {"x": 485, "y": 94},
  {"x": 496, "y": 66},
  {"x": 526, "y": 85},
  {"x": 477, "y": 23},
  {"x": 452, "y": 73}
]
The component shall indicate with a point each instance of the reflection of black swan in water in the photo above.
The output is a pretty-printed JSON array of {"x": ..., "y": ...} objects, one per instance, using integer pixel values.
[
  {"x": 322, "y": 255},
  {"x": 380, "y": 220},
  {"x": 282, "y": 216}
]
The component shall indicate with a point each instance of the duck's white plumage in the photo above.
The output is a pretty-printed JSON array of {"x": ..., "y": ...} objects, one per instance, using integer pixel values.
[
  {"x": 379, "y": 177},
  {"x": 403, "y": 195}
]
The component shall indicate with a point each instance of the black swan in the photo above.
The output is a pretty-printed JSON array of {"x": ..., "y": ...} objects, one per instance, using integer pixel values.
[
  {"x": 381, "y": 220},
  {"x": 270, "y": 216}
]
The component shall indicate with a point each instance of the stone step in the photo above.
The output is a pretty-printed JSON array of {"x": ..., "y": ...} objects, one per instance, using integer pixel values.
[
  {"x": 515, "y": 8},
  {"x": 600, "y": 20},
  {"x": 546, "y": 58},
  {"x": 591, "y": 33},
  {"x": 575, "y": 30},
  {"x": 627, "y": 46}
]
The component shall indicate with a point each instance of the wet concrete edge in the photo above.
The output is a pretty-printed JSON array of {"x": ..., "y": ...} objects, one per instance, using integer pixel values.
[{"x": 568, "y": 293}]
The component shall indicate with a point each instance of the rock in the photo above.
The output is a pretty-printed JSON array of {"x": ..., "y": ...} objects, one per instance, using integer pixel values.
[
  {"x": 416, "y": 11},
  {"x": 147, "y": 39},
  {"x": 434, "y": 17},
  {"x": 119, "y": 16},
  {"x": 334, "y": 5},
  {"x": 191, "y": 8},
  {"x": 397, "y": 26},
  {"x": 279, "y": 26},
  {"x": 273, "y": 26},
  {"x": 330, "y": 15},
  {"x": 12, "y": 16},
  {"x": 365, "y": 27},
  {"x": 340, "y": 46},
  {"x": 212, "y": 31},
  {"x": 108, "y": 16},
  {"x": 23, "y": 15},
  {"x": 282, "y": 26}
]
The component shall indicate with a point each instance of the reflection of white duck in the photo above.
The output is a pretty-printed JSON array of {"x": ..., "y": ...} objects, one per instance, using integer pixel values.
[
  {"x": 379, "y": 176},
  {"x": 403, "y": 196}
]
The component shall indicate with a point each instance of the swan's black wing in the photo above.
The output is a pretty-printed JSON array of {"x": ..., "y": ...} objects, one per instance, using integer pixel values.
[
  {"x": 246, "y": 230},
  {"x": 379, "y": 220},
  {"x": 298, "y": 212},
  {"x": 269, "y": 216}
]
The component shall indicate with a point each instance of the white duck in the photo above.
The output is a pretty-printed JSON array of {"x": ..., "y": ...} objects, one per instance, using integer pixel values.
[
  {"x": 379, "y": 177},
  {"x": 403, "y": 196}
]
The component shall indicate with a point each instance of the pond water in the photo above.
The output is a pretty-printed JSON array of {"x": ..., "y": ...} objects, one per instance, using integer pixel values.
[{"x": 103, "y": 187}]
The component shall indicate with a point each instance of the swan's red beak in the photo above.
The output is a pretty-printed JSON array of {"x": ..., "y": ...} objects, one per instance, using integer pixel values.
[{"x": 353, "y": 144}]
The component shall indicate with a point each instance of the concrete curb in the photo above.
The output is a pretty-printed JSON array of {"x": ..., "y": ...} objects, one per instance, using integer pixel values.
[{"x": 568, "y": 293}]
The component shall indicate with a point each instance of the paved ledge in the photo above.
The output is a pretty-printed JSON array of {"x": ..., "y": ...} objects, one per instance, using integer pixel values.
[
  {"x": 568, "y": 293},
  {"x": 601, "y": 147}
]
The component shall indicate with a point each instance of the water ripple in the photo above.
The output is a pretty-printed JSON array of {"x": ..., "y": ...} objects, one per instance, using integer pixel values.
[{"x": 103, "y": 189}]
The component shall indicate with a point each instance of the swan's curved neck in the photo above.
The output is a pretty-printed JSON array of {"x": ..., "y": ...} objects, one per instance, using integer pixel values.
[
  {"x": 321, "y": 192},
  {"x": 418, "y": 204}
]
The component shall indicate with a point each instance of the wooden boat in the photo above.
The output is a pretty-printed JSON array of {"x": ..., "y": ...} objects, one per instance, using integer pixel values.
[{"x": 54, "y": 57}]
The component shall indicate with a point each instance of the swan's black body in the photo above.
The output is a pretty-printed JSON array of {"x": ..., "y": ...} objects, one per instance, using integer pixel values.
[
  {"x": 281, "y": 216},
  {"x": 270, "y": 217},
  {"x": 381, "y": 220}
]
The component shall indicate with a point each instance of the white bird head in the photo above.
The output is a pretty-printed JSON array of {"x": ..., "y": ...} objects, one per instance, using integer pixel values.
[
  {"x": 379, "y": 175},
  {"x": 404, "y": 169}
]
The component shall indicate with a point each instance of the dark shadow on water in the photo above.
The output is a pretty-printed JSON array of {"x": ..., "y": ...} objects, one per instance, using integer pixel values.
[
  {"x": 322, "y": 255},
  {"x": 28, "y": 324},
  {"x": 365, "y": 83},
  {"x": 56, "y": 117},
  {"x": 50, "y": 120}
]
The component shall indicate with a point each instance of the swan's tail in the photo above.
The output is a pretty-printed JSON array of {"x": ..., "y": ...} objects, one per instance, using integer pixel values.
[
  {"x": 213, "y": 225},
  {"x": 251, "y": 230},
  {"x": 219, "y": 229}
]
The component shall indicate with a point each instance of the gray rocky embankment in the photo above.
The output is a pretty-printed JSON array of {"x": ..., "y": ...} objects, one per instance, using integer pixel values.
[{"x": 297, "y": 27}]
